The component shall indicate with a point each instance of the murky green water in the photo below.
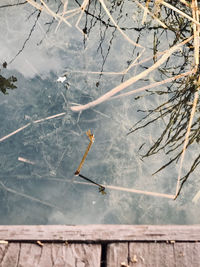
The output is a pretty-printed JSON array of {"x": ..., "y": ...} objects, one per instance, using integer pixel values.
[{"x": 37, "y": 163}]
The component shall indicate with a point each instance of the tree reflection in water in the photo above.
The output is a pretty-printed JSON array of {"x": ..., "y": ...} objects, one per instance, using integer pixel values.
[
  {"x": 7, "y": 83},
  {"x": 178, "y": 111}
]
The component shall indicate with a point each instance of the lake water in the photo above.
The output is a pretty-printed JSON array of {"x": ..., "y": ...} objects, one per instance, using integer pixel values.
[{"x": 38, "y": 162}]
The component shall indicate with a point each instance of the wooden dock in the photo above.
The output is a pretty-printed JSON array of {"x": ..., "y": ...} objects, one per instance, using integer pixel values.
[{"x": 100, "y": 246}]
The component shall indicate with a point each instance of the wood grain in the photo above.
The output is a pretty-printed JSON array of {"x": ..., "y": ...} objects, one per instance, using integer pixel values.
[
  {"x": 187, "y": 254},
  {"x": 100, "y": 233},
  {"x": 117, "y": 254},
  {"x": 164, "y": 254},
  {"x": 151, "y": 254},
  {"x": 10, "y": 255},
  {"x": 50, "y": 255},
  {"x": 122, "y": 245}
]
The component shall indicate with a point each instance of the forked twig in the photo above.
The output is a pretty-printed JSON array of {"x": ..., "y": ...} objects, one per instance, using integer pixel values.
[
  {"x": 180, "y": 12},
  {"x": 77, "y": 172},
  {"x": 132, "y": 80},
  {"x": 146, "y": 10},
  {"x": 153, "y": 85}
]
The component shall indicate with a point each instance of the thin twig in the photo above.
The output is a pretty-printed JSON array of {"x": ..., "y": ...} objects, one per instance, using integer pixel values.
[
  {"x": 131, "y": 190},
  {"x": 28, "y": 124},
  {"x": 132, "y": 80},
  {"x": 91, "y": 138},
  {"x": 196, "y": 95},
  {"x": 8, "y": 189}
]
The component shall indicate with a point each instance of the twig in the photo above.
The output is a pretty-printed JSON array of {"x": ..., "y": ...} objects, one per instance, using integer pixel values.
[
  {"x": 131, "y": 190},
  {"x": 51, "y": 117},
  {"x": 146, "y": 10},
  {"x": 27, "y": 196},
  {"x": 132, "y": 80},
  {"x": 196, "y": 95},
  {"x": 101, "y": 187},
  {"x": 26, "y": 160},
  {"x": 118, "y": 28},
  {"x": 17, "y": 131},
  {"x": 28, "y": 124},
  {"x": 91, "y": 138},
  {"x": 153, "y": 85},
  {"x": 180, "y": 12}
]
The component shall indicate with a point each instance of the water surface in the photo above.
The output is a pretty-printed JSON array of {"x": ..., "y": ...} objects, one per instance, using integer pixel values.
[{"x": 37, "y": 182}]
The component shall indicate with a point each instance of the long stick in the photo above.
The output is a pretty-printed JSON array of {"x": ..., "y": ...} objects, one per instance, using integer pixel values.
[
  {"x": 28, "y": 124},
  {"x": 132, "y": 80},
  {"x": 196, "y": 95},
  {"x": 132, "y": 190}
]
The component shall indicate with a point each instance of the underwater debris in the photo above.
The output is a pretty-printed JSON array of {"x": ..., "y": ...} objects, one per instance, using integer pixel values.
[
  {"x": 77, "y": 172},
  {"x": 7, "y": 83},
  {"x": 91, "y": 138}
]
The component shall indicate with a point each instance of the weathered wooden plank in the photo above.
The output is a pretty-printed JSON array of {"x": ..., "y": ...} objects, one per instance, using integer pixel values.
[
  {"x": 164, "y": 254},
  {"x": 100, "y": 233},
  {"x": 151, "y": 255},
  {"x": 3, "y": 248},
  {"x": 10, "y": 255},
  {"x": 117, "y": 255},
  {"x": 83, "y": 255},
  {"x": 29, "y": 255},
  {"x": 187, "y": 254},
  {"x": 47, "y": 255}
]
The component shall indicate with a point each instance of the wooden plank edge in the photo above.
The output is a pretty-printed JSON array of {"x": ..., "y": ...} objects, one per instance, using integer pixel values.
[{"x": 100, "y": 233}]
